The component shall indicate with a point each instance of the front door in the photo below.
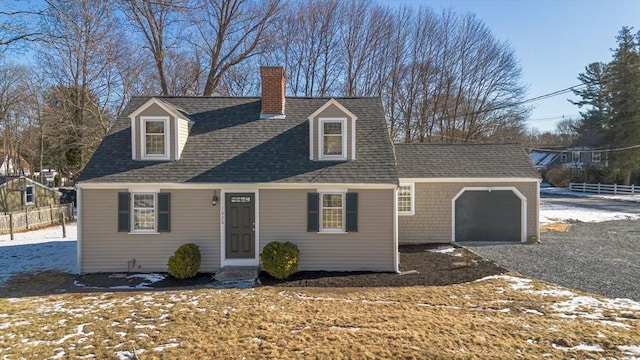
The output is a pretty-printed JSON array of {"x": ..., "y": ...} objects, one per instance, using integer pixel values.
[{"x": 240, "y": 226}]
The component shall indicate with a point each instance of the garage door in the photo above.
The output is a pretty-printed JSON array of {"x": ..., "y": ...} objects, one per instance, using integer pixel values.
[{"x": 482, "y": 215}]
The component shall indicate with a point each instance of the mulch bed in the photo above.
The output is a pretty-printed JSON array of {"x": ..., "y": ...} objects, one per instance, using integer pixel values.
[
  {"x": 433, "y": 269},
  {"x": 422, "y": 267}
]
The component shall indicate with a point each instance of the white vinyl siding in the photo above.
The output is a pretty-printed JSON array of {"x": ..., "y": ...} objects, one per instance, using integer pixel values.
[
  {"x": 282, "y": 218},
  {"x": 106, "y": 250}
]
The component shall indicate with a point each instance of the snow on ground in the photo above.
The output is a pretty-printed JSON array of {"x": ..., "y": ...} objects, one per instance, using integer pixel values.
[
  {"x": 565, "y": 192},
  {"x": 38, "y": 250},
  {"x": 553, "y": 213}
]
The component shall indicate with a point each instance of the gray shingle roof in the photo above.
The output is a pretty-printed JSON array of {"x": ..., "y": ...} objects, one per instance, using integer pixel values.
[
  {"x": 463, "y": 160},
  {"x": 229, "y": 143}
]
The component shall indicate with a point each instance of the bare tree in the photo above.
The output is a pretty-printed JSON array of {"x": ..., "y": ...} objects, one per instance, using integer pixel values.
[
  {"x": 230, "y": 32},
  {"x": 18, "y": 24},
  {"x": 80, "y": 64},
  {"x": 156, "y": 21}
]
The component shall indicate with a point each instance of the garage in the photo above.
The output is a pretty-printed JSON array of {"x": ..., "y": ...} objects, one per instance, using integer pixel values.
[{"x": 488, "y": 215}]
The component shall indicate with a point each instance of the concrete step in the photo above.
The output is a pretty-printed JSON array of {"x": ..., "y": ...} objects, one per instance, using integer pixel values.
[{"x": 236, "y": 273}]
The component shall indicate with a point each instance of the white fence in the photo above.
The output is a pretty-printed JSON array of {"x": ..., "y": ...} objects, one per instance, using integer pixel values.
[
  {"x": 605, "y": 188},
  {"x": 35, "y": 218}
]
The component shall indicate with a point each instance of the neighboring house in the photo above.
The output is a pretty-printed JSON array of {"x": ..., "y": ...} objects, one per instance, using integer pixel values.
[
  {"x": 576, "y": 158},
  {"x": 466, "y": 192},
  {"x": 19, "y": 193},
  {"x": 232, "y": 174}
]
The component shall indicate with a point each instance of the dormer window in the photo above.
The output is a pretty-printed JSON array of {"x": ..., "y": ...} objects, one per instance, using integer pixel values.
[
  {"x": 155, "y": 144},
  {"x": 332, "y": 139}
]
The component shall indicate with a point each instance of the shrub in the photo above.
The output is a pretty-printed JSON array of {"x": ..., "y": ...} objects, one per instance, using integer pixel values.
[
  {"x": 280, "y": 259},
  {"x": 185, "y": 262},
  {"x": 559, "y": 176}
]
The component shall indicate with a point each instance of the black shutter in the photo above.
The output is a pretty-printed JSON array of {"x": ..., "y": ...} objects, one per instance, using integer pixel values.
[
  {"x": 123, "y": 211},
  {"x": 352, "y": 212},
  {"x": 164, "y": 205},
  {"x": 312, "y": 212}
]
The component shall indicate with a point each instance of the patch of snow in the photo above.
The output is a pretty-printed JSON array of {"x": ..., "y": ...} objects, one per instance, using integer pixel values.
[
  {"x": 127, "y": 355},
  {"x": 59, "y": 355},
  {"x": 296, "y": 331},
  {"x": 443, "y": 250},
  {"x": 532, "y": 311},
  {"x": 630, "y": 349},
  {"x": 551, "y": 292},
  {"x": 38, "y": 250},
  {"x": 515, "y": 283},
  {"x": 553, "y": 213},
  {"x": 531, "y": 342},
  {"x": 581, "y": 347},
  {"x": 165, "y": 346},
  {"x": 151, "y": 277},
  {"x": 615, "y": 323}
]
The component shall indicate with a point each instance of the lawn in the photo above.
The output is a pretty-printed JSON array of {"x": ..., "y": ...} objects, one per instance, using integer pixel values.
[{"x": 504, "y": 316}]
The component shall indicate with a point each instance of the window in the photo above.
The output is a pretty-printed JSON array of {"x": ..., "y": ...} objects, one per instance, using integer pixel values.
[
  {"x": 155, "y": 144},
  {"x": 332, "y": 139},
  {"x": 563, "y": 158},
  {"x": 576, "y": 156},
  {"x": 405, "y": 199},
  {"x": 143, "y": 212},
  {"x": 596, "y": 156},
  {"x": 29, "y": 195},
  {"x": 332, "y": 212}
]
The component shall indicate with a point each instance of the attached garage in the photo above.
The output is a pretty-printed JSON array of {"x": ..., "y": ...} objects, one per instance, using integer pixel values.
[
  {"x": 488, "y": 214},
  {"x": 466, "y": 193}
]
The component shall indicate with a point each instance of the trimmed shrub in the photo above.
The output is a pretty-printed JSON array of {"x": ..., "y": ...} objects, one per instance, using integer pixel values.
[
  {"x": 559, "y": 176},
  {"x": 185, "y": 262},
  {"x": 280, "y": 259}
]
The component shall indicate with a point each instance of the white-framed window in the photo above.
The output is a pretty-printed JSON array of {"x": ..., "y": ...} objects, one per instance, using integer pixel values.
[
  {"x": 406, "y": 196},
  {"x": 333, "y": 139},
  {"x": 596, "y": 156},
  {"x": 332, "y": 212},
  {"x": 143, "y": 212},
  {"x": 155, "y": 138},
  {"x": 576, "y": 156},
  {"x": 29, "y": 195},
  {"x": 563, "y": 158}
]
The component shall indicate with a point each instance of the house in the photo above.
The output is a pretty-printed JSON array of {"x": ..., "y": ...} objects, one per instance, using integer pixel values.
[
  {"x": 466, "y": 192},
  {"x": 232, "y": 174},
  {"x": 575, "y": 158},
  {"x": 20, "y": 192}
]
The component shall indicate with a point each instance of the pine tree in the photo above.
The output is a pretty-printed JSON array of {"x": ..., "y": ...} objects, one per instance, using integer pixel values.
[{"x": 625, "y": 103}]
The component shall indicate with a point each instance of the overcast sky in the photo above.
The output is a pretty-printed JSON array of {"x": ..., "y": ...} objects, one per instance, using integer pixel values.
[{"x": 553, "y": 39}]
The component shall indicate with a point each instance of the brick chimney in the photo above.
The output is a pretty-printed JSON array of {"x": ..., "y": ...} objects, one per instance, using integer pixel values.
[{"x": 273, "y": 94}]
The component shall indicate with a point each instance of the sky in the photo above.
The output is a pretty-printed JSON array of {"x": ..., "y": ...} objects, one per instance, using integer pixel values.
[{"x": 554, "y": 41}]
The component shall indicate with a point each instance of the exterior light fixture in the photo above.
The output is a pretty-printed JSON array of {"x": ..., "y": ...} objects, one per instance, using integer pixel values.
[{"x": 214, "y": 199}]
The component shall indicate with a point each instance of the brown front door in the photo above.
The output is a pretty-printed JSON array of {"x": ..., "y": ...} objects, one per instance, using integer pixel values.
[{"x": 240, "y": 226}]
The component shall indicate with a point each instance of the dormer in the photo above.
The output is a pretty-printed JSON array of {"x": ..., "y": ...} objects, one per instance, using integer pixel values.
[
  {"x": 332, "y": 133},
  {"x": 159, "y": 131}
]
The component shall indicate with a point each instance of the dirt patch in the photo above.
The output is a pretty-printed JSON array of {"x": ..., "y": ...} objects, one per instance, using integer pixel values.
[
  {"x": 557, "y": 227},
  {"x": 419, "y": 266}
]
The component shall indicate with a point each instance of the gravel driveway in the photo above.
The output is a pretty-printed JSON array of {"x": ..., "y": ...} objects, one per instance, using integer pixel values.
[{"x": 601, "y": 258}]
